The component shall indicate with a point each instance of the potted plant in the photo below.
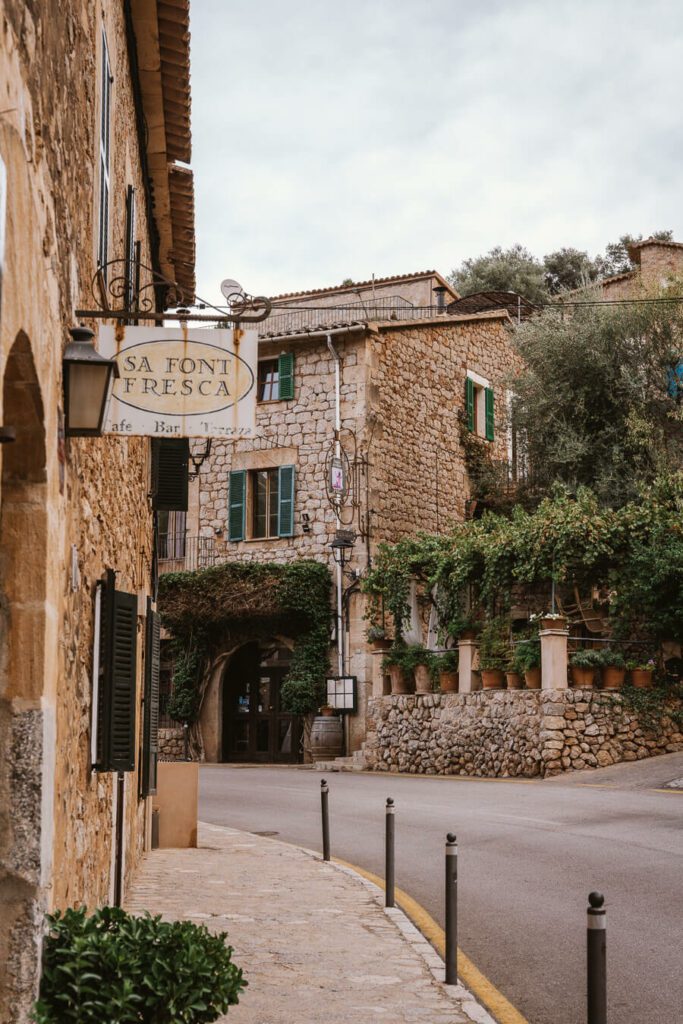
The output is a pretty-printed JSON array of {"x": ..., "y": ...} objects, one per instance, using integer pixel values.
[
  {"x": 513, "y": 677},
  {"x": 447, "y": 668},
  {"x": 377, "y": 638},
  {"x": 549, "y": 620},
  {"x": 527, "y": 661},
  {"x": 582, "y": 665},
  {"x": 417, "y": 660},
  {"x": 326, "y": 710},
  {"x": 613, "y": 668},
  {"x": 393, "y": 663},
  {"x": 494, "y": 652},
  {"x": 642, "y": 672}
]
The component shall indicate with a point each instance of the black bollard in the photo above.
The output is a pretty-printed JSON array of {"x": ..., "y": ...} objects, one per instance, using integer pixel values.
[
  {"x": 596, "y": 959},
  {"x": 389, "y": 863},
  {"x": 451, "y": 910},
  {"x": 324, "y": 792},
  {"x": 186, "y": 741}
]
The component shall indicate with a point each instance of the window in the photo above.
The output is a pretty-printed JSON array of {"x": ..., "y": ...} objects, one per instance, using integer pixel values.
[
  {"x": 276, "y": 378},
  {"x": 261, "y": 503},
  {"x": 105, "y": 139},
  {"x": 479, "y": 406}
]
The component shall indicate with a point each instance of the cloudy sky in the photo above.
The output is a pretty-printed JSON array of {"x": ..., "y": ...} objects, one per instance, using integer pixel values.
[{"x": 335, "y": 140}]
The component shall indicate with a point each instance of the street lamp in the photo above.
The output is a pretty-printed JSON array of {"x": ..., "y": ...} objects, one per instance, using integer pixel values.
[
  {"x": 342, "y": 545},
  {"x": 87, "y": 384}
]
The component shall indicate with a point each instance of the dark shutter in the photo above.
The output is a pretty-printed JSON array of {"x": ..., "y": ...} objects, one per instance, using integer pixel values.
[
  {"x": 150, "y": 741},
  {"x": 469, "y": 403},
  {"x": 118, "y": 659},
  {"x": 490, "y": 419},
  {"x": 170, "y": 459},
  {"x": 286, "y": 501},
  {"x": 237, "y": 505},
  {"x": 286, "y": 375}
]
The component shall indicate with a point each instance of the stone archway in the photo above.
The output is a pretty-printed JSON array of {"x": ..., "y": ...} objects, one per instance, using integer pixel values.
[{"x": 24, "y": 847}]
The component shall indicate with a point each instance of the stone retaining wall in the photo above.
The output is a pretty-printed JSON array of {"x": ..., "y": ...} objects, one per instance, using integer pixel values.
[
  {"x": 172, "y": 742},
  {"x": 515, "y": 733}
]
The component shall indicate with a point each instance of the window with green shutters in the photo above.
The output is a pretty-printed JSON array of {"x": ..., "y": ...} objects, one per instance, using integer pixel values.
[
  {"x": 286, "y": 499},
  {"x": 469, "y": 403},
  {"x": 150, "y": 737},
  {"x": 237, "y": 505},
  {"x": 261, "y": 503},
  {"x": 117, "y": 679},
  {"x": 286, "y": 375},
  {"x": 490, "y": 419}
]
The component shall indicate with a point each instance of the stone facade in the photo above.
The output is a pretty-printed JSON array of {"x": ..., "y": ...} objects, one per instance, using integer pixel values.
[
  {"x": 402, "y": 398},
  {"x": 70, "y": 508},
  {"x": 511, "y": 733}
]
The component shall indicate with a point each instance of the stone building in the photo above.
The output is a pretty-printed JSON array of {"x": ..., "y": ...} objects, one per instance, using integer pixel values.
[
  {"x": 405, "y": 388},
  {"x": 94, "y": 114}
]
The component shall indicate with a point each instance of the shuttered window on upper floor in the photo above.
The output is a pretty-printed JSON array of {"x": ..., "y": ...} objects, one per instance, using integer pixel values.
[
  {"x": 150, "y": 731},
  {"x": 170, "y": 473},
  {"x": 276, "y": 378},
  {"x": 261, "y": 503}
]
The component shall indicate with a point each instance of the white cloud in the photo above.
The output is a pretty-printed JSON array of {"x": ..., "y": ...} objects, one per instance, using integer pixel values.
[{"x": 394, "y": 135}]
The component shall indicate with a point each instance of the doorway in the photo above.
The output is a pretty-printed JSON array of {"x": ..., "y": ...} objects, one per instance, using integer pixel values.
[{"x": 255, "y": 728}]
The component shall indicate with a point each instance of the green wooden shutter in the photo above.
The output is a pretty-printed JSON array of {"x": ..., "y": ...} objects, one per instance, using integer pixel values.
[
  {"x": 170, "y": 459},
  {"x": 286, "y": 506},
  {"x": 490, "y": 420},
  {"x": 150, "y": 742},
  {"x": 237, "y": 505},
  {"x": 286, "y": 375},
  {"x": 469, "y": 403},
  {"x": 118, "y": 661}
]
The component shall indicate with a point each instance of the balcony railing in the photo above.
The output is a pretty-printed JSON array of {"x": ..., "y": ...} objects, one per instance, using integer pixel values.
[
  {"x": 294, "y": 321},
  {"x": 177, "y": 553}
]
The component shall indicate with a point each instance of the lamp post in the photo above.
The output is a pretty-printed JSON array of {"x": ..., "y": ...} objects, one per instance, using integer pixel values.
[
  {"x": 342, "y": 545},
  {"x": 87, "y": 384}
]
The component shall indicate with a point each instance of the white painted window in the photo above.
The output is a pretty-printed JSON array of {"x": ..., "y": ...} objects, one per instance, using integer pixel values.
[{"x": 106, "y": 80}]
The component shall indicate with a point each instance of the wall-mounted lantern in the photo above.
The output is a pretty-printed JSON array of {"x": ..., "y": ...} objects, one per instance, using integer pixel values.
[
  {"x": 88, "y": 378},
  {"x": 342, "y": 545}
]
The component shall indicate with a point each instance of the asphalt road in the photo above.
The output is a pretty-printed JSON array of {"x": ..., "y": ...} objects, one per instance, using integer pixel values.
[{"x": 529, "y": 854}]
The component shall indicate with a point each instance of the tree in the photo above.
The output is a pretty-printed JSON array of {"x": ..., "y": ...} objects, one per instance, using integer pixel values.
[
  {"x": 594, "y": 403},
  {"x": 568, "y": 268},
  {"x": 514, "y": 270}
]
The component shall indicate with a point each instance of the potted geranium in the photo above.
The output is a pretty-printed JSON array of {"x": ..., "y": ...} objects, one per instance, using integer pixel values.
[
  {"x": 613, "y": 669},
  {"x": 494, "y": 652},
  {"x": 418, "y": 660},
  {"x": 582, "y": 666},
  {"x": 527, "y": 661},
  {"x": 447, "y": 667},
  {"x": 642, "y": 672}
]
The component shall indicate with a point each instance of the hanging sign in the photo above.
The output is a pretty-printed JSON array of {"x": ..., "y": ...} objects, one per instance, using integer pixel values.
[{"x": 181, "y": 382}]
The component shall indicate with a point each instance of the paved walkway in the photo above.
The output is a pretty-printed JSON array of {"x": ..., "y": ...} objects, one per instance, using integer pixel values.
[{"x": 313, "y": 939}]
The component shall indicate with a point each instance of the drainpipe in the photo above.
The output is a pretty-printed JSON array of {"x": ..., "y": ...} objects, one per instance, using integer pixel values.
[{"x": 337, "y": 453}]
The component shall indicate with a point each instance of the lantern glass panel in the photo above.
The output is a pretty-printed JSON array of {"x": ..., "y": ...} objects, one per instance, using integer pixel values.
[{"x": 87, "y": 394}]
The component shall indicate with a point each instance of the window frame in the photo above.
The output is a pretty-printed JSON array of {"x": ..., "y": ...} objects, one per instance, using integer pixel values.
[
  {"x": 272, "y": 473},
  {"x": 274, "y": 384}
]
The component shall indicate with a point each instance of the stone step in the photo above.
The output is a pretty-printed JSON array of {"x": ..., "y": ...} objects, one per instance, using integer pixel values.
[{"x": 340, "y": 764}]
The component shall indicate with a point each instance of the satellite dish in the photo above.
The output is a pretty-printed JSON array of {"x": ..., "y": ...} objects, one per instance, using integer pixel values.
[{"x": 229, "y": 288}]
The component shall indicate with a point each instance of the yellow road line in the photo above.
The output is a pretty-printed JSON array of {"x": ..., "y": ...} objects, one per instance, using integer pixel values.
[{"x": 480, "y": 986}]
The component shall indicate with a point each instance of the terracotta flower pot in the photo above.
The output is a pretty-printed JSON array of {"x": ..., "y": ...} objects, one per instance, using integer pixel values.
[
  {"x": 492, "y": 678},
  {"x": 399, "y": 680},
  {"x": 327, "y": 712},
  {"x": 380, "y": 645},
  {"x": 423, "y": 679},
  {"x": 613, "y": 677},
  {"x": 552, "y": 623},
  {"x": 532, "y": 678},
  {"x": 642, "y": 678},
  {"x": 582, "y": 678},
  {"x": 514, "y": 680},
  {"x": 448, "y": 682}
]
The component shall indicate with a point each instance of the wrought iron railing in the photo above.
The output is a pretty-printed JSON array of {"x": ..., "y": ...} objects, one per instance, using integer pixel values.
[
  {"x": 176, "y": 552},
  {"x": 327, "y": 317}
]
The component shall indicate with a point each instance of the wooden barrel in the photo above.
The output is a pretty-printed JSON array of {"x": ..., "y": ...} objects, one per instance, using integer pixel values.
[{"x": 327, "y": 737}]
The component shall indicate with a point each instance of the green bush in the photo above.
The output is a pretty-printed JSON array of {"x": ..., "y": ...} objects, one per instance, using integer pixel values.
[
  {"x": 494, "y": 644},
  {"x": 114, "y": 968},
  {"x": 527, "y": 655},
  {"x": 408, "y": 657},
  {"x": 586, "y": 659},
  {"x": 448, "y": 661},
  {"x": 607, "y": 658}
]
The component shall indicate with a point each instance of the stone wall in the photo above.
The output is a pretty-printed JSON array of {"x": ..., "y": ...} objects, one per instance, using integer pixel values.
[
  {"x": 172, "y": 742},
  {"x": 508, "y": 734}
]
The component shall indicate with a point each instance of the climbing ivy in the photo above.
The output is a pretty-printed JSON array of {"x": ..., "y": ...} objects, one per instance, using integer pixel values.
[{"x": 224, "y": 605}]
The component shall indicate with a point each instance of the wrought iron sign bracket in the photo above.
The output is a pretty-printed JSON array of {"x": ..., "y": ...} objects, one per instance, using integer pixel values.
[{"x": 117, "y": 282}]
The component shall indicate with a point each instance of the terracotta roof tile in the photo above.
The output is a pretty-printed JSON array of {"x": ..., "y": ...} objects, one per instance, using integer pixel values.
[{"x": 365, "y": 284}]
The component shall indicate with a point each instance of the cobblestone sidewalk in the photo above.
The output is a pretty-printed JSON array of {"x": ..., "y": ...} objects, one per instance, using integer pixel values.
[{"x": 313, "y": 939}]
